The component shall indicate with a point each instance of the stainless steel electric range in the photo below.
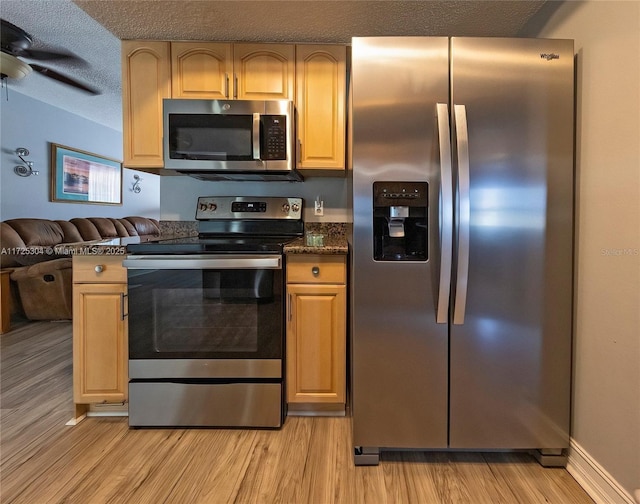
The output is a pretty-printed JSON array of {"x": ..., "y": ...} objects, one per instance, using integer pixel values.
[{"x": 206, "y": 318}]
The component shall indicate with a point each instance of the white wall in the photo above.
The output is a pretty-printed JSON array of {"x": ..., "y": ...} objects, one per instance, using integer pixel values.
[
  {"x": 179, "y": 195},
  {"x": 606, "y": 403},
  {"x": 26, "y": 122}
]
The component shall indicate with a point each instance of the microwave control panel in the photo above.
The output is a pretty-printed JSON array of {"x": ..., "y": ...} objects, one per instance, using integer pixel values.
[{"x": 274, "y": 137}]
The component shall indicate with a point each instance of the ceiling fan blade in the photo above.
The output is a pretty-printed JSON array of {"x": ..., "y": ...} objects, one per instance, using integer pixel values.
[
  {"x": 44, "y": 55},
  {"x": 47, "y": 72},
  {"x": 14, "y": 40}
]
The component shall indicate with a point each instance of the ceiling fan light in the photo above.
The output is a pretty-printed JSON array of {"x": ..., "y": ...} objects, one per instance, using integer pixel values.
[{"x": 12, "y": 67}]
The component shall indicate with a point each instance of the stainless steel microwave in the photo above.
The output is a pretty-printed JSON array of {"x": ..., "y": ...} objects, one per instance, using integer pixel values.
[{"x": 230, "y": 139}]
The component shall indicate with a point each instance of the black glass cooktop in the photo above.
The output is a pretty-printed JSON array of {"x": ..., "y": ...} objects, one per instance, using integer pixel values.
[{"x": 212, "y": 245}]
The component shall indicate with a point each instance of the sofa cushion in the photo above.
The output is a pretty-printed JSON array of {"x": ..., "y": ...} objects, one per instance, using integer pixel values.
[
  {"x": 86, "y": 228},
  {"x": 131, "y": 230},
  {"x": 10, "y": 241},
  {"x": 120, "y": 229},
  {"x": 105, "y": 227},
  {"x": 71, "y": 234},
  {"x": 40, "y": 237},
  {"x": 38, "y": 232},
  {"x": 145, "y": 226}
]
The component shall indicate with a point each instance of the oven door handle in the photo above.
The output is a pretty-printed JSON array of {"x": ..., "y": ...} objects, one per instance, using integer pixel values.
[{"x": 190, "y": 262}]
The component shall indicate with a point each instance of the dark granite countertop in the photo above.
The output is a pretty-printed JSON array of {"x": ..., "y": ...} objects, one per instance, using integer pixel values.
[
  {"x": 331, "y": 245},
  {"x": 334, "y": 240}
]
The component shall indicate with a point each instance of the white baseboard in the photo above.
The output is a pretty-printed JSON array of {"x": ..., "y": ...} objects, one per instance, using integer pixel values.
[{"x": 594, "y": 479}]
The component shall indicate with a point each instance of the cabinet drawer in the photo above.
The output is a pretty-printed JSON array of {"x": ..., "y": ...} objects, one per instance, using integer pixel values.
[
  {"x": 308, "y": 268},
  {"x": 99, "y": 269}
]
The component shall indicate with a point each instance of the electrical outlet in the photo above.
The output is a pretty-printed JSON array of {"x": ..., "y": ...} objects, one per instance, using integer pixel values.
[{"x": 319, "y": 207}]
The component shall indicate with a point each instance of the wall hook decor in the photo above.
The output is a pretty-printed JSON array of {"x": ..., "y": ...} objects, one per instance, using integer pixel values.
[
  {"x": 135, "y": 185},
  {"x": 25, "y": 170}
]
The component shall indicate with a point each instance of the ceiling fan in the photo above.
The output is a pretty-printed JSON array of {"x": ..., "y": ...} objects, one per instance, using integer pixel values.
[{"x": 16, "y": 43}]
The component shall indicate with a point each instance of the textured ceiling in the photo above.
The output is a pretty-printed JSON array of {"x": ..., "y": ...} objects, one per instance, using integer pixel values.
[
  {"x": 306, "y": 20},
  {"x": 92, "y": 29}
]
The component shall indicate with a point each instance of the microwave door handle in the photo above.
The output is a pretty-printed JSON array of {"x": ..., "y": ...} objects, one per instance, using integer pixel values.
[{"x": 256, "y": 136}]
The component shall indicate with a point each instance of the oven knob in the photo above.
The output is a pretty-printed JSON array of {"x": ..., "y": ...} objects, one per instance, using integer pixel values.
[
  {"x": 203, "y": 207},
  {"x": 295, "y": 207},
  {"x": 285, "y": 208},
  {"x": 212, "y": 207}
]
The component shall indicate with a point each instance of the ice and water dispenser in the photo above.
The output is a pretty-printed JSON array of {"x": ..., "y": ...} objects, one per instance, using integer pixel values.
[{"x": 400, "y": 221}]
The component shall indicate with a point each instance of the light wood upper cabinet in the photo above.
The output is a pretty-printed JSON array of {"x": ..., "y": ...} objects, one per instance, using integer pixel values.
[
  {"x": 232, "y": 71},
  {"x": 146, "y": 80},
  {"x": 201, "y": 70},
  {"x": 321, "y": 81},
  {"x": 264, "y": 71}
]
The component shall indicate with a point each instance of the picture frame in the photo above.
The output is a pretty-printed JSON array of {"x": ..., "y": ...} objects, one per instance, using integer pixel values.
[{"x": 79, "y": 176}]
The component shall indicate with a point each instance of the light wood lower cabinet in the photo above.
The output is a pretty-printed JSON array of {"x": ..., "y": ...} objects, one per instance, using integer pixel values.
[
  {"x": 100, "y": 352},
  {"x": 316, "y": 333}
]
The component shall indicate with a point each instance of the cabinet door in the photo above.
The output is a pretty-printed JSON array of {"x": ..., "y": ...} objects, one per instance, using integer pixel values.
[
  {"x": 264, "y": 71},
  {"x": 200, "y": 70},
  {"x": 316, "y": 343},
  {"x": 146, "y": 80},
  {"x": 100, "y": 350},
  {"x": 321, "y": 80}
]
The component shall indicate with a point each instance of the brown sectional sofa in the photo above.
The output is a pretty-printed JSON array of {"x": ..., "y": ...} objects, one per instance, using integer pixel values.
[{"x": 41, "y": 279}]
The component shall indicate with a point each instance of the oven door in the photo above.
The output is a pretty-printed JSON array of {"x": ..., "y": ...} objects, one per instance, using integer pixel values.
[{"x": 205, "y": 316}]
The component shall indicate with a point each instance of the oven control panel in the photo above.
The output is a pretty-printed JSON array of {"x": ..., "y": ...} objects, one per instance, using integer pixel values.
[{"x": 248, "y": 207}]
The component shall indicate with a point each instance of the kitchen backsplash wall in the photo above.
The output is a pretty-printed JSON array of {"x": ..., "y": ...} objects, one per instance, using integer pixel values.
[
  {"x": 178, "y": 229},
  {"x": 179, "y": 194}
]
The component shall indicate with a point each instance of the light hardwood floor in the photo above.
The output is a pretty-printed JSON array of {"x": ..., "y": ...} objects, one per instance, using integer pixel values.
[{"x": 308, "y": 461}]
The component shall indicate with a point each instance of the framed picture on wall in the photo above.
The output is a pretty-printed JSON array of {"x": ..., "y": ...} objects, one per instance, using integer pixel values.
[{"x": 82, "y": 177}]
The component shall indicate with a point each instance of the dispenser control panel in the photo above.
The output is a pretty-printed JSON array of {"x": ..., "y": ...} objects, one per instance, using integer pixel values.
[
  {"x": 400, "y": 221},
  {"x": 400, "y": 194}
]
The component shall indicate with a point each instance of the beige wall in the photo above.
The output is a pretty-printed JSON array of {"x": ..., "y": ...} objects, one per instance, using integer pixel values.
[{"x": 606, "y": 403}]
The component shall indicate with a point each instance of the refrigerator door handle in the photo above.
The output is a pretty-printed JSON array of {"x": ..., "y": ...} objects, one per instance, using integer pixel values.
[
  {"x": 446, "y": 213},
  {"x": 464, "y": 212}
]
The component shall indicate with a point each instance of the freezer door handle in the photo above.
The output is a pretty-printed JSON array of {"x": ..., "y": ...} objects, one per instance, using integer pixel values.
[
  {"x": 464, "y": 209},
  {"x": 446, "y": 213}
]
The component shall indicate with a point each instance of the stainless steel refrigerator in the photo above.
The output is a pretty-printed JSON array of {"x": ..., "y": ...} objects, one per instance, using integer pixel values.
[{"x": 462, "y": 244}]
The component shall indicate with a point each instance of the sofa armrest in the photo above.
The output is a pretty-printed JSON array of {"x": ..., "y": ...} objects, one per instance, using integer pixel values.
[{"x": 41, "y": 268}]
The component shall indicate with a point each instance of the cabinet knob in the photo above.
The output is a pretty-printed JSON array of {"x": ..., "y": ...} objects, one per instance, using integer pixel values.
[
  {"x": 99, "y": 268},
  {"x": 315, "y": 270}
]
